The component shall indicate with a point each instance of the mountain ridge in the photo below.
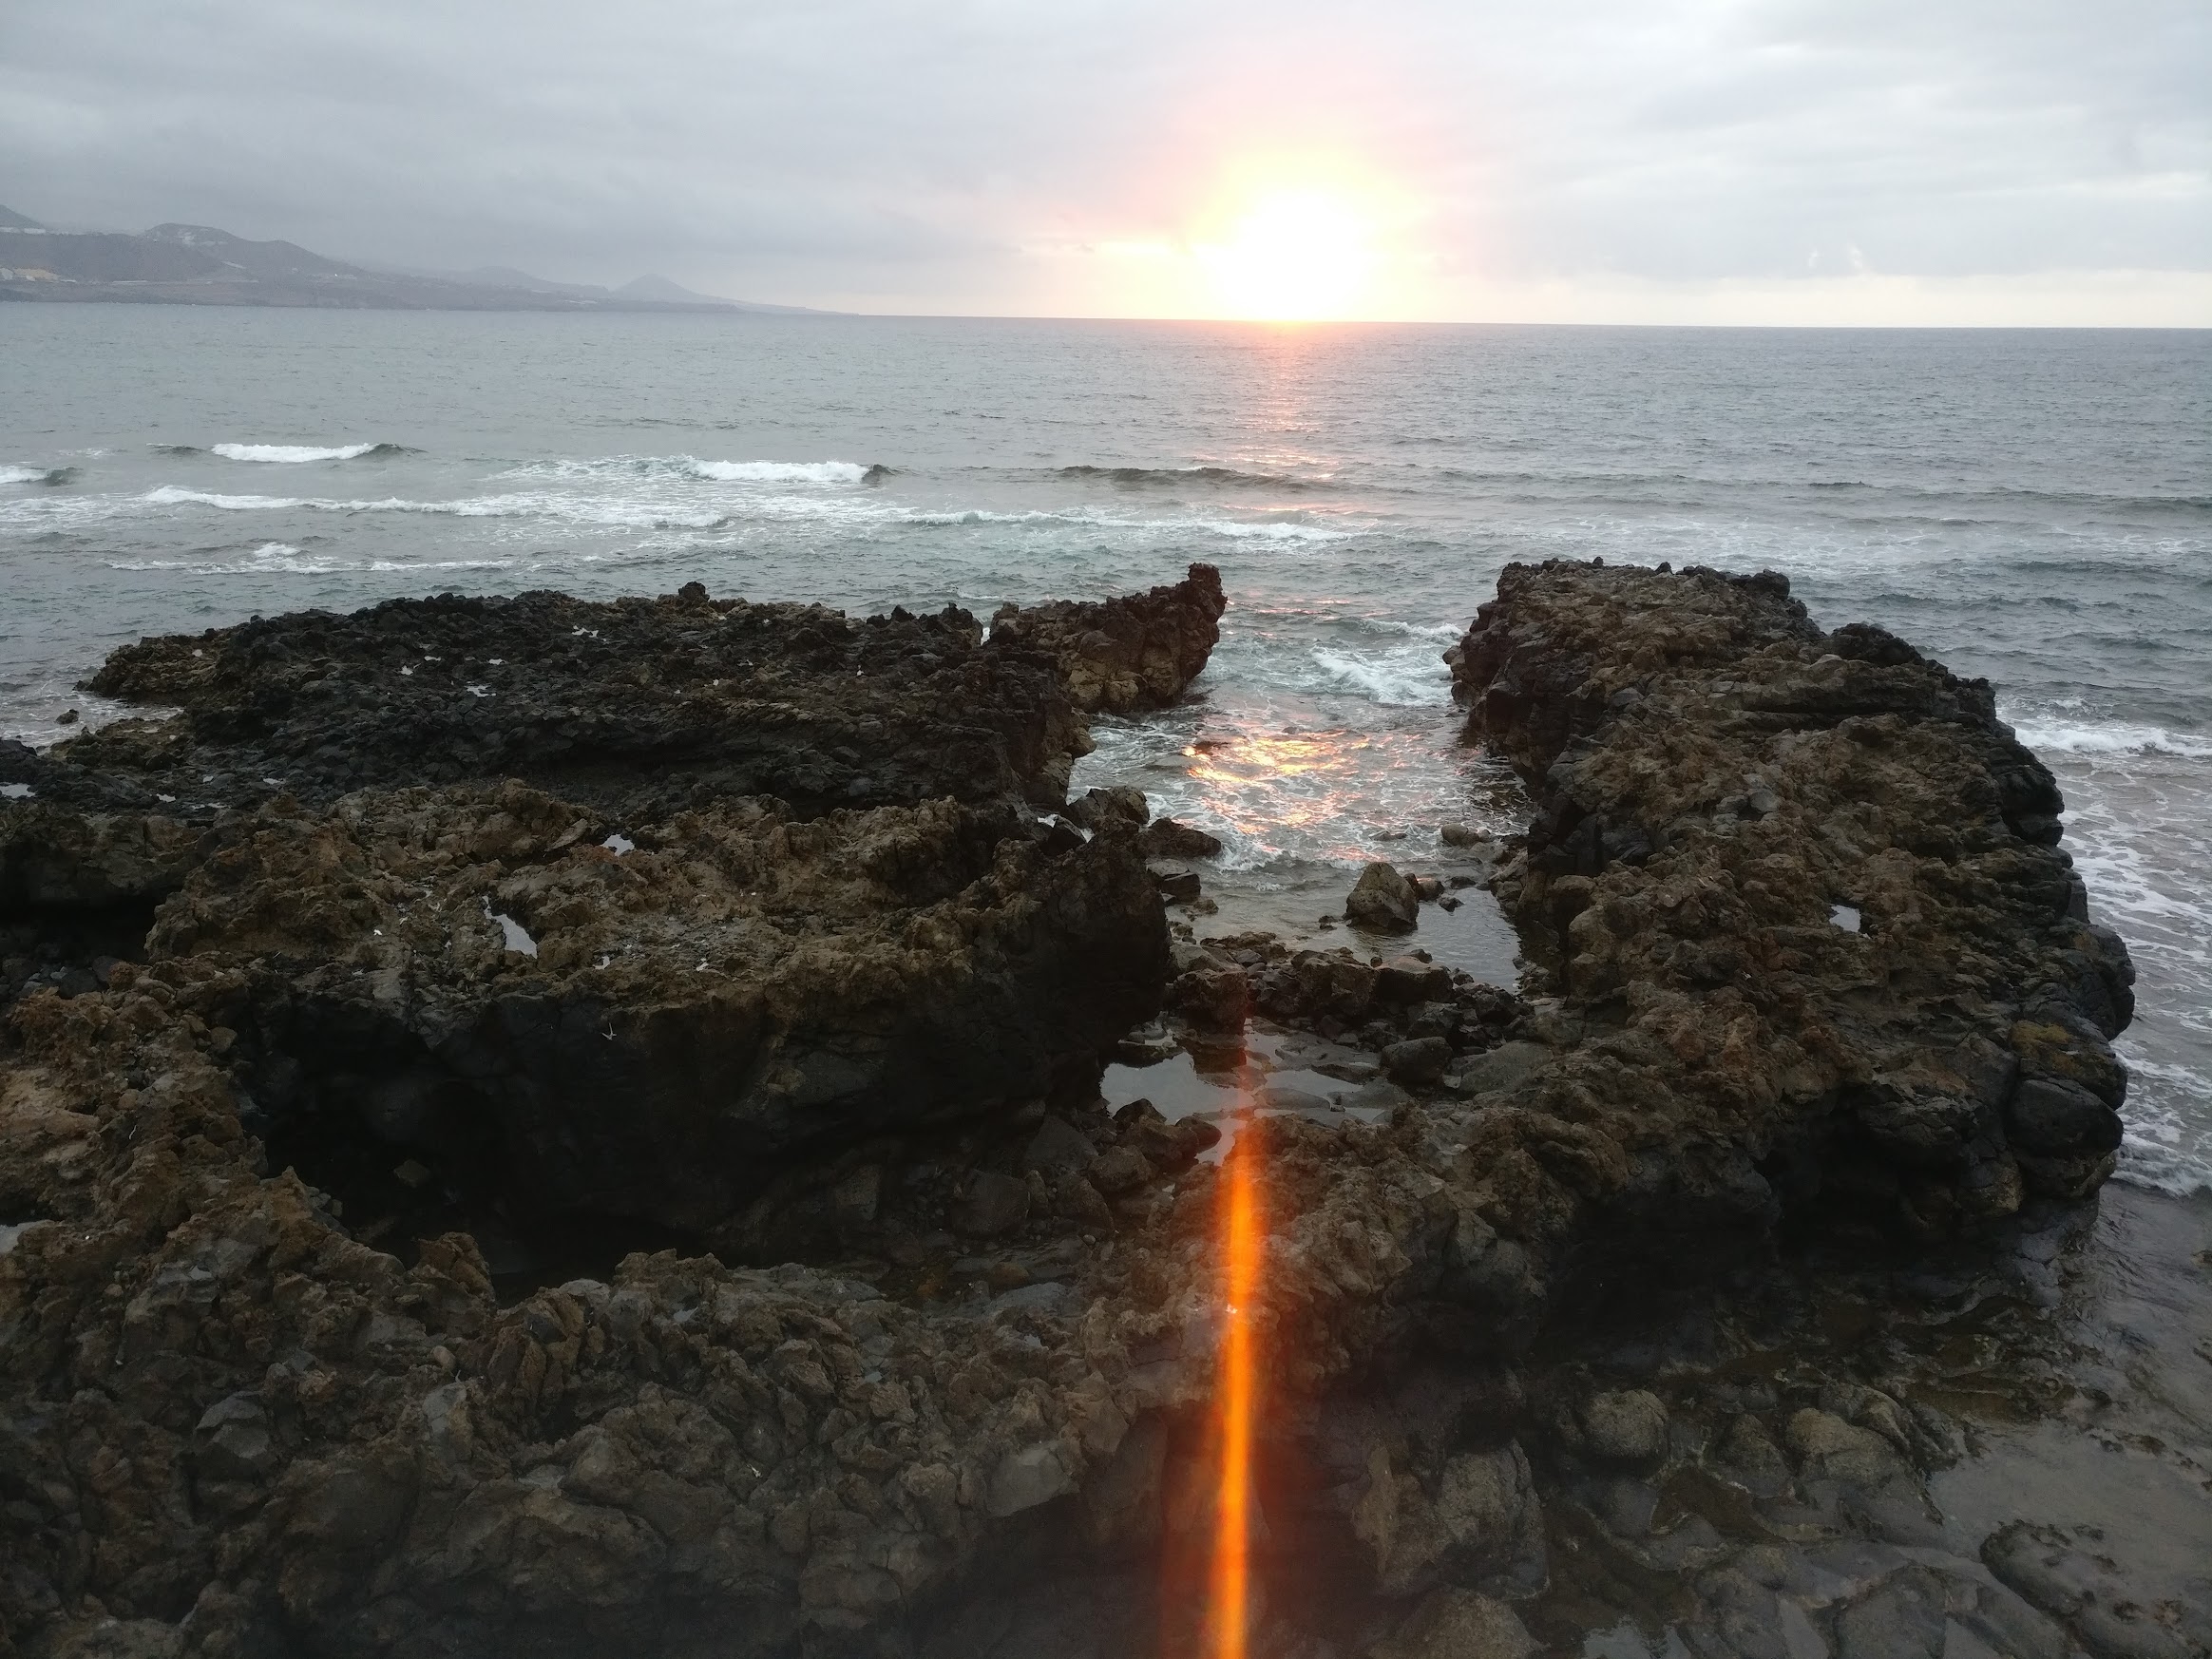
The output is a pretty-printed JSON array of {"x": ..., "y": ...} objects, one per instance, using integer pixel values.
[{"x": 196, "y": 264}]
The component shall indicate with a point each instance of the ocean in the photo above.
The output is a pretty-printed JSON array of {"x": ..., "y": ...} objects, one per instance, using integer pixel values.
[{"x": 2032, "y": 507}]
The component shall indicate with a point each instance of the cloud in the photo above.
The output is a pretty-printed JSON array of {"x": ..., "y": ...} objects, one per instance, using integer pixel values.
[{"x": 982, "y": 155}]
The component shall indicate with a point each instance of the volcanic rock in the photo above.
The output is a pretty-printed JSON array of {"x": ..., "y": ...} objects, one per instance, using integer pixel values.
[
  {"x": 736, "y": 987},
  {"x": 1120, "y": 655},
  {"x": 232, "y": 1420},
  {"x": 1384, "y": 901},
  {"x": 639, "y": 706},
  {"x": 1166, "y": 838},
  {"x": 1690, "y": 841}
]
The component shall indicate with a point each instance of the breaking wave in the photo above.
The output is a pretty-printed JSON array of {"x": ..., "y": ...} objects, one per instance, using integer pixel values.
[
  {"x": 566, "y": 509},
  {"x": 291, "y": 452},
  {"x": 37, "y": 474},
  {"x": 691, "y": 467},
  {"x": 2092, "y": 738}
]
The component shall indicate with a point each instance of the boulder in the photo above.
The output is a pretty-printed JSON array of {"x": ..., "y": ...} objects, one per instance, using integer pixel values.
[
  {"x": 1383, "y": 900},
  {"x": 1166, "y": 838},
  {"x": 1417, "y": 1061},
  {"x": 1626, "y": 1426}
]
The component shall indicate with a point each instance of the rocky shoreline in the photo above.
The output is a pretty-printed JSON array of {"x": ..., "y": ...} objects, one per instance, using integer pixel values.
[{"x": 539, "y": 1127}]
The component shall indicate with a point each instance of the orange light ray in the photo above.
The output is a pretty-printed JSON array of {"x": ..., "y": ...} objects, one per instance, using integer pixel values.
[{"x": 1231, "y": 1585}]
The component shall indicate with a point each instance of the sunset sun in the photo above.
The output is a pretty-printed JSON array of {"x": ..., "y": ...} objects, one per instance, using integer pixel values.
[{"x": 1294, "y": 256}]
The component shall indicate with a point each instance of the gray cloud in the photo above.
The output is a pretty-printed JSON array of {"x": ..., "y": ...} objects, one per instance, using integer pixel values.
[{"x": 962, "y": 156}]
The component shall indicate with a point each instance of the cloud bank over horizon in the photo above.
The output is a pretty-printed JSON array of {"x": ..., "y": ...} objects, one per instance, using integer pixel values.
[{"x": 1695, "y": 160}]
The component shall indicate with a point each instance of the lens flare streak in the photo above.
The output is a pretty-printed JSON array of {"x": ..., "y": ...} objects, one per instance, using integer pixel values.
[{"x": 1230, "y": 1580}]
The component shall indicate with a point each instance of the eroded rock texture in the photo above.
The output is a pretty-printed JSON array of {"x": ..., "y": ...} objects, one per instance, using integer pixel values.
[
  {"x": 246, "y": 1414},
  {"x": 1120, "y": 655},
  {"x": 1809, "y": 886}
]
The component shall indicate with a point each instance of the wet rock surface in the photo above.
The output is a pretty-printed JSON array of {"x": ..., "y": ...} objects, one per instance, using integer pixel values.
[
  {"x": 1120, "y": 655},
  {"x": 1677, "y": 1301}
]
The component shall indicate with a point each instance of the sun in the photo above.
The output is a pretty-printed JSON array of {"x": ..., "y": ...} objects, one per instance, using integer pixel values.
[{"x": 1294, "y": 256}]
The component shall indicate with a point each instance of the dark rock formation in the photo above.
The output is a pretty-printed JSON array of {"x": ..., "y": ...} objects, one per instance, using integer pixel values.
[
  {"x": 1812, "y": 880},
  {"x": 1383, "y": 900},
  {"x": 1120, "y": 655},
  {"x": 643, "y": 706},
  {"x": 656, "y": 1033},
  {"x": 1166, "y": 838},
  {"x": 231, "y": 1424}
]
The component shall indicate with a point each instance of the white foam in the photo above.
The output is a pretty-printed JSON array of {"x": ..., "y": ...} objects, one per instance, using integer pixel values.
[
  {"x": 22, "y": 475},
  {"x": 690, "y": 468},
  {"x": 1845, "y": 916},
  {"x": 289, "y": 452},
  {"x": 175, "y": 495},
  {"x": 1387, "y": 678},
  {"x": 1271, "y": 531},
  {"x": 271, "y": 556},
  {"x": 2167, "y": 1147},
  {"x": 778, "y": 471},
  {"x": 16, "y": 792},
  {"x": 563, "y": 507},
  {"x": 2110, "y": 737}
]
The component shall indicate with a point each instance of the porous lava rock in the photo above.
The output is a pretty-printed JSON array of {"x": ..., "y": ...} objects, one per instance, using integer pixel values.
[
  {"x": 654, "y": 1033},
  {"x": 229, "y": 1422},
  {"x": 1125, "y": 654},
  {"x": 1805, "y": 888}
]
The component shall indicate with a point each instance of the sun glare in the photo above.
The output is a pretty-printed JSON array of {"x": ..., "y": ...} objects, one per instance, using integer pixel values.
[{"x": 1294, "y": 256}]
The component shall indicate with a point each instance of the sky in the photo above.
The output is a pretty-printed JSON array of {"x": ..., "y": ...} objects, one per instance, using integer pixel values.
[{"x": 1822, "y": 161}]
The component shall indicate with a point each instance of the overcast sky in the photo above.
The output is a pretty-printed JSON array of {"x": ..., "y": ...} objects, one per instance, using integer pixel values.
[{"x": 1630, "y": 160}]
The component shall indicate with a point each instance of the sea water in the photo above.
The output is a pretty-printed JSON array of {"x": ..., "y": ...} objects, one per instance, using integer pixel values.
[{"x": 2035, "y": 507}]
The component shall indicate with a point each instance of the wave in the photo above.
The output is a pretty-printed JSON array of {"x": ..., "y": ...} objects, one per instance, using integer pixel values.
[
  {"x": 291, "y": 452},
  {"x": 269, "y": 557},
  {"x": 48, "y": 475},
  {"x": 567, "y": 508},
  {"x": 1275, "y": 530},
  {"x": 2095, "y": 737},
  {"x": 283, "y": 557},
  {"x": 691, "y": 467},
  {"x": 1399, "y": 679},
  {"x": 1221, "y": 477},
  {"x": 782, "y": 471}
]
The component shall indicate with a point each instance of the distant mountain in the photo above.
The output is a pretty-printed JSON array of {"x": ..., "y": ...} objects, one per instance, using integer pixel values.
[
  {"x": 269, "y": 261},
  {"x": 661, "y": 288},
  {"x": 507, "y": 276},
  {"x": 196, "y": 264}
]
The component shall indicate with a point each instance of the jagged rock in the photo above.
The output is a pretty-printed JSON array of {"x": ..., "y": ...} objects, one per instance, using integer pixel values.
[
  {"x": 1691, "y": 840},
  {"x": 675, "y": 1454},
  {"x": 1165, "y": 838},
  {"x": 1119, "y": 655},
  {"x": 1384, "y": 901},
  {"x": 1095, "y": 806},
  {"x": 1177, "y": 883},
  {"x": 638, "y": 707},
  {"x": 690, "y": 1012}
]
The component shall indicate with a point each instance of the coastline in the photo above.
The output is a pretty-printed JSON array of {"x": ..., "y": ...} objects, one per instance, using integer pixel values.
[{"x": 1496, "y": 1187}]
